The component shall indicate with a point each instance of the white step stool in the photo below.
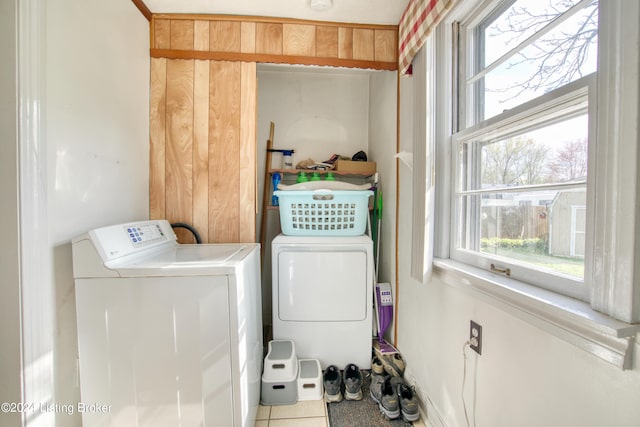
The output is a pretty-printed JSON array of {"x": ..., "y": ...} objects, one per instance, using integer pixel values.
[
  {"x": 279, "y": 379},
  {"x": 281, "y": 362},
  {"x": 309, "y": 380}
]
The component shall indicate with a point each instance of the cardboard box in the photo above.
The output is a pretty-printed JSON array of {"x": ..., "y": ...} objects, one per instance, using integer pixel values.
[{"x": 356, "y": 167}]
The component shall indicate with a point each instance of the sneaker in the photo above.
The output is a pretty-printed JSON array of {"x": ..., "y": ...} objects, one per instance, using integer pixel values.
[
  {"x": 376, "y": 366},
  {"x": 395, "y": 382},
  {"x": 389, "y": 400},
  {"x": 332, "y": 382},
  {"x": 394, "y": 364},
  {"x": 398, "y": 363},
  {"x": 408, "y": 403},
  {"x": 352, "y": 379},
  {"x": 375, "y": 389}
]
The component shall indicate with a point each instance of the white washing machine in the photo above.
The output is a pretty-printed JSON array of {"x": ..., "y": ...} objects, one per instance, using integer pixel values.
[
  {"x": 168, "y": 334},
  {"x": 322, "y": 297}
]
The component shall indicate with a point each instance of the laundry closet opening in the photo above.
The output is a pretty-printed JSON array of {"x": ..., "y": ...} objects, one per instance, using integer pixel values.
[{"x": 317, "y": 112}]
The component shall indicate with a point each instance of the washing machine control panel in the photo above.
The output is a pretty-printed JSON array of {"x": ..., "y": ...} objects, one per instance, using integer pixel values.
[
  {"x": 141, "y": 234},
  {"x": 133, "y": 238}
]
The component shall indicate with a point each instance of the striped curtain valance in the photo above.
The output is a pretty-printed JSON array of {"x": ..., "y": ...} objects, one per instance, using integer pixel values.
[{"x": 420, "y": 17}]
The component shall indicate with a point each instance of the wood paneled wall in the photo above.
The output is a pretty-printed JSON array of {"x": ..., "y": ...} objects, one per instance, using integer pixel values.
[
  {"x": 271, "y": 40},
  {"x": 204, "y": 106},
  {"x": 203, "y": 146}
]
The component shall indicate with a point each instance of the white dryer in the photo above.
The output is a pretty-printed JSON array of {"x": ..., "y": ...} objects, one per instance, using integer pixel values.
[
  {"x": 168, "y": 334},
  {"x": 322, "y": 297}
]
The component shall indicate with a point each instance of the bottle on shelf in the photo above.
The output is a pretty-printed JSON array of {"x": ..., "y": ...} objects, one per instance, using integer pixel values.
[
  {"x": 275, "y": 179},
  {"x": 315, "y": 176},
  {"x": 287, "y": 159},
  {"x": 330, "y": 177},
  {"x": 302, "y": 177}
]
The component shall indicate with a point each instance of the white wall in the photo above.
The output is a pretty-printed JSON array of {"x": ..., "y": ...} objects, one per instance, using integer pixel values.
[
  {"x": 524, "y": 377},
  {"x": 97, "y": 119},
  {"x": 9, "y": 261},
  {"x": 316, "y": 111}
]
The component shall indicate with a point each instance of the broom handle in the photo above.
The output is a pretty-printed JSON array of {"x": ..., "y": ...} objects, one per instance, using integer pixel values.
[{"x": 265, "y": 193}]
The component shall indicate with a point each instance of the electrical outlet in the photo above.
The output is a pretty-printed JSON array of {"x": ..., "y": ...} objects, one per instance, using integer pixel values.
[{"x": 475, "y": 336}]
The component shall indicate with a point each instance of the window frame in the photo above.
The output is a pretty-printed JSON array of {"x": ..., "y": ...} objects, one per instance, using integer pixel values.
[
  {"x": 544, "y": 109},
  {"x": 606, "y": 325}
]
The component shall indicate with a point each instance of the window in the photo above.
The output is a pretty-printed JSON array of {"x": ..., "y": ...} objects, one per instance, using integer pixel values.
[
  {"x": 586, "y": 198},
  {"x": 527, "y": 78}
]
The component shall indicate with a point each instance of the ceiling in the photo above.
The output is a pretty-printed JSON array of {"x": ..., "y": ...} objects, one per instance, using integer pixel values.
[{"x": 355, "y": 11}]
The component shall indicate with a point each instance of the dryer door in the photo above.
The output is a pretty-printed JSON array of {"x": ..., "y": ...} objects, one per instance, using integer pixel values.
[{"x": 322, "y": 285}]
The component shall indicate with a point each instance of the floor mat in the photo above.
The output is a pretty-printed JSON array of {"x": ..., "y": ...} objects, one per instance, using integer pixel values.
[{"x": 362, "y": 413}]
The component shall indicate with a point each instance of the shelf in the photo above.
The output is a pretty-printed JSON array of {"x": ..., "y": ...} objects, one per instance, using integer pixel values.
[{"x": 321, "y": 172}]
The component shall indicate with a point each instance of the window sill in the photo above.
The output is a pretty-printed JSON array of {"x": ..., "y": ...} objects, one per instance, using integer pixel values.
[{"x": 566, "y": 318}]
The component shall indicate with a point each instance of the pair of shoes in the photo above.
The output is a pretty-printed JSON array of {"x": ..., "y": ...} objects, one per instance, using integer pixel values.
[
  {"x": 394, "y": 397},
  {"x": 332, "y": 381},
  {"x": 394, "y": 364},
  {"x": 391, "y": 363},
  {"x": 382, "y": 392}
]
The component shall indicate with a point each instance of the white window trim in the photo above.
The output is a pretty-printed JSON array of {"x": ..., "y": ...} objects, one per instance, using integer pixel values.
[
  {"x": 614, "y": 255},
  {"x": 615, "y": 286},
  {"x": 422, "y": 178}
]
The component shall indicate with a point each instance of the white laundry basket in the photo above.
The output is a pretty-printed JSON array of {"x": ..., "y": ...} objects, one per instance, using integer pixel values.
[{"x": 324, "y": 212}]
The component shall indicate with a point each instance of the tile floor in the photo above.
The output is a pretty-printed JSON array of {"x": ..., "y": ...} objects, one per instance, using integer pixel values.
[{"x": 309, "y": 413}]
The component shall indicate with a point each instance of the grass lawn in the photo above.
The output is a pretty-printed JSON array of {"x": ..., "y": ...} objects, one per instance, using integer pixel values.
[{"x": 565, "y": 265}]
